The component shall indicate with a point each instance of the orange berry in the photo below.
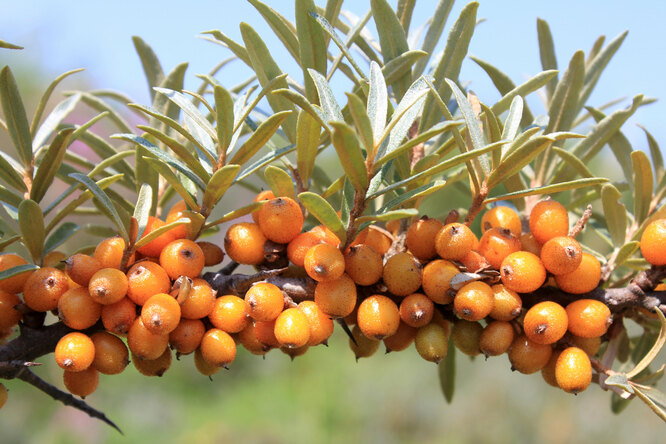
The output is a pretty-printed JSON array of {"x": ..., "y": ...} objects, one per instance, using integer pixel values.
[
  {"x": 244, "y": 243},
  {"x": 507, "y": 303},
  {"x": 213, "y": 254},
  {"x": 573, "y": 370},
  {"x": 75, "y": 352},
  {"x": 375, "y": 238},
  {"x": 145, "y": 279},
  {"x": 454, "y": 241},
  {"x": 204, "y": 367},
  {"x": 263, "y": 195},
  {"x": 522, "y": 272},
  {"x": 402, "y": 338},
  {"x": 364, "y": 347},
  {"x": 186, "y": 337},
  {"x": 108, "y": 286},
  {"x": 402, "y": 274},
  {"x": 145, "y": 344},
  {"x": 15, "y": 283},
  {"x": 43, "y": 289},
  {"x": 200, "y": 300},
  {"x": 502, "y": 217},
  {"x": 527, "y": 356},
  {"x": 561, "y": 255},
  {"x": 545, "y": 323},
  {"x": 466, "y": 336},
  {"x": 588, "y": 318},
  {"x": 324, "y": 263},
  {"x": 9, "y": 316},
  {"x": 153, "y": 367},
  {"x": 230, "y": 313},
  {"x": 393, "y": 226},
  {"x": 111, "y": 355},
  {"x": 474, "y": 262},
  {"x": 336, "y": 298},
  {"x": 420, "y": 238},
  {"x": 300, "y": 245},
  {"x": 548, "y": 219},
  {"x": 119, "y": 317},
  {"x": 321, "y": 325},
  {"x": 432, "y": 342},
  {"x": 548, "y": 372},
  {"x": 496, "y": 244},
  {"x": 53, "y": 259},
  {"x": 292, "y": 328},
  {"x": 182, "y": 257},
  {"x": 436, "y": 278},
  {"x": 3, "y": 395},
  {"x": 363, "y": 264},
  {"x": 265, "y": 334},
  {"x": 416, "y": 310},
  {"x": 280, "y": 219},
  {"x": 155, "y": 246},
  {"x": 588, "y": 345},
  {"x": 496, "y": 338},
  {"x": 294, "y": 352},
  {"x": 161, "y": 314},
  {"x": 324, "y": 234},
  {"x": 583, "y": 279},
  {"x": 378, "y": 317},
  {"x": 248, "y": 339},
  {"x": 175, "y": 213},
  {"x": 218, "y": 348},
  {"x": 474, "y": 301},
  {"x": 653, "y": 242},
  {"x": 77, "y": 309},
  {"x": 109, "y": 252},
  {"x": 81, "y": 383},
  {"x": 265, "y": 300},
  {"x": 529, "y": 243},
  {"x": 81, "y": 267}
]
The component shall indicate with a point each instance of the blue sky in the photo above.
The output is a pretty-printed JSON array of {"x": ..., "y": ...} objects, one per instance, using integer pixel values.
[{"x": 63, "y": 35}]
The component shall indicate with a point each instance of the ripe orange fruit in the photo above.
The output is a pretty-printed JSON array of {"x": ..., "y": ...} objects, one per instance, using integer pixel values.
[
  {"x": 436, "y": 280},
  {"x": 292, "y": 328},
  {"x": 548, "y": 219},
  {"x": 503, "y": 217},
  {"x": 248, "y": 339},
  {"x": 53, "y": 259},
  {"x": 324, "y": 263},
  {"x": 155, "y": 246},
  {"x": 200, "y": 300},
  {"x": 244, "y": 243},
  {"x": 299, "y": 246},
  {"x": 527, "y": 356},
  {"x": 561, "y": 255},
  {"x": 108, "y": 286},
  {"x": 213, "y": 254},
  {"x": 402, "y": 274},
  {"x": 466, "y": 336},
  {"x": 230, "y": 313},
  {"x": 175, "y": 213},
  {"x": 324, "y": 234},
  {"x": 375, "y": 238},
  {"x": 653, "y": 242},
  {"x": 109, "y": 252},
  {"x": 204, "y": 367},
  {"x": 321, "y": 325},
  {"x": 420, "y": 238},
  {"x": 182, "y": 257},
  {"x": 153, "y": 367},
  {"x": 402, "y": 338},
  {"x": 508, "y": 304},
  {"x": 9, "y": 316},
  {"x": 417, "y": 310},
  {"x": 218, "y": 348},
  {"x": 546, "y": 322},
  {"x": 432, "y": 342},
  {"x": 145, "y": 279},
  {"x": 15, "y": 283},
  {"x": 363, "y": 264},
  {"x": 263, "y": 195},
  {"x": 119, "y": 317},
  {"x": 496, "y": 244},
  {"x": 77, "y": 309},
  {"x": 583, "y": 279},
  {"x": 111, "y": 355},
  {"x": 590, "y": 346},
  {"x": 573, "y": 370},
  {"x": 522, "y": 272},
  {"x": 378, "y": 317},
  {"x": 81, "y": 267},
  {"x": 336, "y": 298},
  {"x": 265, "y": 334},
  {"x": 454, "y": 241},
  {"x": 265, "y": 301},
  {"x": 588, "y": 318},
  {"x": 474, "y": 301},
  {"x": 145, "y": 344},
  {"x": 280, "y": 219},
  {"x": 187, "y": 336},
  {"x": 43, "y": 288},
  {"x": 160, "y": 314},
  {"x": 496, "y": 338},
  {"x": 75, "y": 352},
  {"x": 364, "y": 346},
  {"x": 81, "y": 383}
]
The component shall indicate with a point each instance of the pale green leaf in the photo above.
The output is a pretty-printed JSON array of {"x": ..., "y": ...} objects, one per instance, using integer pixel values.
[
  {"x": 447, "y": 372},
  {"x": 392, "y": 40},
  {"x": 280, "y": 182},
  {"x": 150, "y": 63},
  {"x": 161, "y": 230},
  {"x": 512, "y": 121},
  {"x": 190, "y": 110},
  {"x": 517, "y": 159},
  {"x": 615, "y": 214},
  {"x": 259, "y": 138},
  {"x": 7, "y": 45},
  {"x": 101, "y": 106},
  {"x": 224, "y": 116},
  {"x": 10, "y": 174},
  {"x": 15, "y": 117},
  {"x": 619, "y": 144},
  {"x": 312, "y": 44},
  {"x": 654, "y": 351},
  {"x": 142, "y": 208},
  {"x": 305, "y": 105},
  {"x": 547, "y": 53},
  {"x": 416, "y": 193},
  {"x": 234, "y": 214},
  {"x": 283, "y": 29},
  {"x": 473, "y": 124},
  {"x": 37, "y": 117},
  {"x": 10, "y": 272},
  {"x": 643, "y": 185},
  {"x": 53, "y": 120},
  {"x": 551, "y": 189},
  {"x": 522, "y": 90},
  {"x": 163, "y": 169},
  {"x": 348, "y": 147},
  {"x": 263, "y": 161},
  {"x": 625, "y": 252},
  {"x": 49, "y": 165},
  {"x": 574, "y": 162},
  {"x": 10, "y": 197},
  {"x": 389, "y": 215},
  {"x": 377, "y": 106},
  {"x": 326, "y": 26},
  {"x": 437, "y": 23},
  {"x": 324, "y": 213},
  {"x": 31, "y": 224},
  {"x": 222, "y": 39},
  {"x": 307, "y": 142},
  {"x": 327, "y": 99},
  {"x": 60, "y": 235}
]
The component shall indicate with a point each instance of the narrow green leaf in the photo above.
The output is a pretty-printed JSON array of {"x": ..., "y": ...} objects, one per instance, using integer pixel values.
[
  {"x": 7, "y": 45},
  {"x": 326, "y": 26},
  {"x": 437, "y": 23},
  {"x": 307, "y": 142},
  {"x": 15, "y": 117},
  {"x": 326, "y": 97},
  {"x": 551, "y": 189},
  {"x": 392, "y": 39},
  {"x": 650, "y": 403},
  {"x": 279, "y": 181},
  {"x": 655, "y": 154},
  {"x": 9, "y": 197},
  {"x": 302, "y": 102},
  {"x": 347, "y": 146},
  {"x": 401, "y": 65},
  {"x": 283, "y": 29},
  {"x": 615, "y": 214},
  {"x": 53, "y": 120},
  {"x": 151, "y": 64},
  {"x": 188, "y": 108},
  {"x": 259, "y": 138},
  {"x": 324, "y": 213},
  {"x": 60, "y": 235},
  {"x": 377, "y": 106},
  {"x": 404, "y": 12},
  {"x": 37, "y": 117},
  {"x": 618, "y": 404},
  {"x": 224, "y": 116},
  {"x": 10, "y": 174},
  {"x": 619, "y": 380},
  {"x": 574, "y": 162},
  {"x": 235, "y": 214},
  {"x": 619, "y": 144},
  {"x": 49, "y": 165},
  {"x": 222, "y": 39},
  {"x": 31, "y": 224},
  {"x": 14, "y": 271},
  {"x": 449, "y": 65},
  {"x": 161, "y": 230},
  {"x": 416, "y": 193},
  {"x": 142, "y": 209},
  {"x": 643, "y": 185},
  {"x": 522, "y": 90},
  {"x": 473, "y": 123},
  {"x": 517, "y": 159},
  {"x": 447, "y": 373},
  {"x": 547, "y": 53},
  {"x": 564, "y": 104},
  {"x": 312, "y": 44},
  {"x": 654, "y": 351},
  {"x": 389, "y": 215},
  {"x": 163, "y": 169},
  {"x": 105, "y": 151},
  {"x": 106, "y": 205},
  {"x": 626, "y": 251},
  {"x": 218, "y": 185},
  {"x": 263, "y": 161},
  {"x": 101, "y": 106},
  {"x": 512, "y": 121}
]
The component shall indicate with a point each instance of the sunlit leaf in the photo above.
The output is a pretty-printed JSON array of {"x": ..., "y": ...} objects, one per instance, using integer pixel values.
[
  {"x": 433, "y": 35},
  {"x": 235, "y": 214},
  {"x": 31, "y": 224},
  {"x": 37, "y": 117},
  {"x": 312, "y": 44},
  {"x": 280, "y": 182},
  {"x": 327, "y": 99},
  {"x": 615, "y": 213},
  {"x": 49, "y": 165},
  {"x": 643, "y": 184},
  {"x": 259, "y": 138},
  {"x": 389, "y": 215},
  {"x": 60, "y": 235},
  {"x": 416, "y": 193},
  {"x": 392, "y": 40},
  {"x": 14, "y": 271},
  {"x": 15, "y": 117},
  {"x": 348, "y": 147},
  {"x": 53, "y": 120},
  {"x": 105, "y": 203},
  {"x": 551, "y": 189},
  {"x": 547, "y": 52},
  {"x": 188, "y": 108},
  {"x": 154, "y": 234},
  {"x": 283, "y": 29},
  {"x": 151, "y": 64},
  {"x": 324, "y": 213},
  {"x": 654, "y": 351},
  {"x": 377, "y": 105}
]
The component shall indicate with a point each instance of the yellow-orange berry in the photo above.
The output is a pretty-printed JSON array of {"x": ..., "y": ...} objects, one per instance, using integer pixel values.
[
  {"x": 583, "y": 279},
  {"x": 529, "y": 243},
  {"x": 153, "y": 367},
  {"x": 416, "y": 310},
  {"x": 187, "y": 336},
  {"x": 561, "y": 254},
  {"x": 548, "y": 219},
  {"x": 75, "y": 352},
  {"x": 3, "y": 395},
  {"x": 588, "y": 345},
  {"x": 175, "y": 213},
  {"x": 420, "y": 238},
  {"x": 248, "y": 339},
  {"x": 265, "y": 334},
  {"x": 230, "y": 313},
  {"x": 474, "y": 301},
  {"x": 9, "y": 316},
  {"x": 119, "y": 317},
  {"x": 265, "y": 300},
  {"x": 145, "y": 344},
  {"x": 545, "y": 322},
  {"x": 111, "y": 355},
  {"x": 244, "y": 243},
  {"x": 204, "y": 367},
  {"x": 436, "y": 280},
  {"x": 496, "y": 244},
  {"x": 161, "y": 314},
  {"x": 376, "y": 238},
  {"x": 81, "y": 383},
  {"x": 77, "y": 309},
  {"x": 503, "y": 217},
  {"x": 324, "y": 234},
  {"x": 182, "y": 257},
  {"x": 588, "y": 318},
  {"x": 324, "y": 263},
  {"x": 213, "y": 254},
  {"x": 109, "y": 252},
  {"x": 292, "y": 328},
  {"x": 402, "y": 338},
  {"x": 108, "y": 286},
  {"x": 522, "y": 272},
  {"x": 363, "y": 264},
  {"x": 573, "y": 370},
  {"x": 44, "y": 287},
  {"x": 155, "y": 246},
  {"x": 299, "y": 246},
  {"x": 653, "y": 242},
  {"x": 454, "y": 241},
  {"x": 378, "y": 317},
  {"x": 199, "y": 301},
  {"x": 81, "y": 267},
  {"x": 336, "y": 298},
  {"x": 362, "y": 346},
  {"x": 474, "y": 262},
  {"x": 496, "y": 338},
  {"x": 548, "y": 371},
  {"x": 321, "y": 325},
  {"x": 432, "y": 342},
  {"x": 527, "y": 356},
  {"x": 508, "y": 303},
  {"x": 263, "y": 195},
  {"x": 218, "y": 348},
  {"x": 54, "y": 259},
  {"x": 466, "y": 336},
  {"x": 145, "y": 279},
  {"x": 402, "y": 274},
  {"x": 15, "y": 283},
  {"x": 280, "y": 219}
]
